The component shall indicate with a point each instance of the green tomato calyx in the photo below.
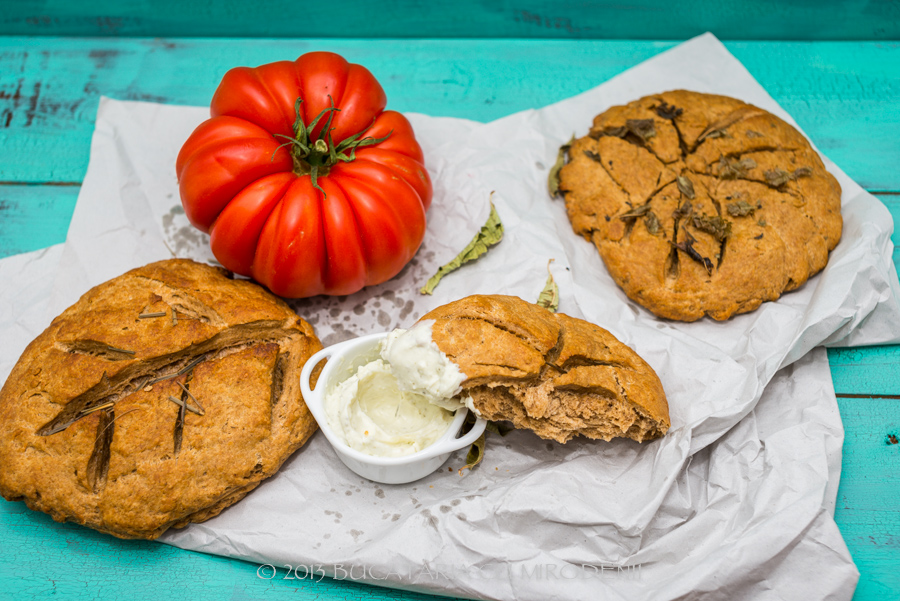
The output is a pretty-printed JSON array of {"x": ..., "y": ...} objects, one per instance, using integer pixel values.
[{"x": 315, "y": 157}]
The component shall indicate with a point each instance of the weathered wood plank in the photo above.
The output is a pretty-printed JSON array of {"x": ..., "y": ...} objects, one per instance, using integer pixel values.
[
  {"x": 41, "y": 558},
  {"x": 866, "y": 372},
  {"x": 34, "y": 216},
  {"x": 868, "y": 506},
  {"x": 844, "y": 95},
  {"x": 641, "y": 19}
]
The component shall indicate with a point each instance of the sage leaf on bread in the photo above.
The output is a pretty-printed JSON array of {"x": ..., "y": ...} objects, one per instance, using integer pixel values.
[
  {"x": 668, "y": 111},
  {"x": 685, "y": 186},
  {"x": 741, "y": 208},
  {"x": 490, "y": 234}
]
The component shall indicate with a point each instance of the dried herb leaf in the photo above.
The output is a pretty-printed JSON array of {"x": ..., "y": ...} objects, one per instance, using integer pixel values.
[
  {"x": 642, "y": 128},
  {"x": 716, "y": 133},
  {"x": 761, "y": 223},
  {"x": 635, "y": 213},
  {"x": 685, "y": 186},
  {"x": 150, "y": 315},
  {"x": 715, "y": 226},
  {"x": 734, "y": 169},
  {"x": 615, "y": 132},
  {"x": 594, "y": 156},
  {"x": 754, "y": 134},
  {"x": 777, "y": 177},
  {"x": 741, "y": 208},
  {"x": 491, "y": 233},
  {"x": 687, "y": 247},
  {"x": 667, "y": 111},
  {"x": 501, "y": 428},
  {"x": 549, "y": 296},
  {"x": 475, "y": 454},
  {"x": 553, "y": 178},
  {"x": 652, "y": 223},
  {"x": 683, "y": 210}
]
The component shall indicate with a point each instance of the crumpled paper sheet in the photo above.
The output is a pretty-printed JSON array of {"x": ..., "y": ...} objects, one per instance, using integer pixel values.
[{"x": 736, "y": 501}]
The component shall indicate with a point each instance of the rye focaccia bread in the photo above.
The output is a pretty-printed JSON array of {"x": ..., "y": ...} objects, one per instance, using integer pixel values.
[
  {"x": 160, "y": 398},
  {"x": 554, "y": 374},
  {"x": 701, "y": 204}
]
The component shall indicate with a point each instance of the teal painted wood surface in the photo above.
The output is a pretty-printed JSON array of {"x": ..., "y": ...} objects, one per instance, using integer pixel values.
[
  {"x": 843, "y": 94},
  {"x": 868, "y": 510},
  {"x": 638, "y": 19}
]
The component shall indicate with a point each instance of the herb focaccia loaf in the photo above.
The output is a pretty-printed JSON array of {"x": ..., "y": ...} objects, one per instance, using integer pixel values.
[
  {"x": 160, "y": 398},
  {"x": 701, "y": 204},
  {"x": 554, "y": 374}
]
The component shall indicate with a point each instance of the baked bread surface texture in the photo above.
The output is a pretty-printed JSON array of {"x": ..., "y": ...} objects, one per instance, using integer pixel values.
[
  {"x": 89, "y": 431},
  {"x": 554, "y": 374},
  {"x": 701, "y": 204}
]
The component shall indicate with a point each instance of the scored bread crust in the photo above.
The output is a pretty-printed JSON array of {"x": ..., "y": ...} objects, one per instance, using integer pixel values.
[
  {"x": 701, "y": 204},
  {"x": 88, "y": 432},
  {"x": 547, "y": 372}
]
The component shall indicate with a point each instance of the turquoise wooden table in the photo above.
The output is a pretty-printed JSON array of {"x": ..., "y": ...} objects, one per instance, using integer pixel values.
[{"x": 844, "y": 95}]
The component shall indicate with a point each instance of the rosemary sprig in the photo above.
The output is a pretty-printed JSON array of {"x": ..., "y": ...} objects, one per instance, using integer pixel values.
[
  {"x": 193, "y": 398},
  {"x": 88, "y": 410},
  {"x": 188, "y": 406},
  {"x": 118, "y": 350}
]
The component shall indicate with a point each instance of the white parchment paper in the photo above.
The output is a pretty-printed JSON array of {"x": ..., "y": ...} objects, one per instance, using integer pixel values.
[{"x": 736, "y": 501}]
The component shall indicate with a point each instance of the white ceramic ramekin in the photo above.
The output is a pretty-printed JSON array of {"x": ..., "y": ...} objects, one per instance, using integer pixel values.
[{"x": 343, "y": 360}]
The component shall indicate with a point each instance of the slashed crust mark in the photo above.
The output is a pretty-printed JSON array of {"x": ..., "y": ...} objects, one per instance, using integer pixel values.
[{"x": 144, "y": 372}]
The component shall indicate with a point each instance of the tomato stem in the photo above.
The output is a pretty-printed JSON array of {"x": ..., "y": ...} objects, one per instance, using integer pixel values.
[{"x": 316, "y": 157}]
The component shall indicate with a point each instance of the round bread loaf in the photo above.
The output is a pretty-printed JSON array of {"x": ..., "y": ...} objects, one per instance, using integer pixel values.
[
  {"x": 554, "y": 374},
  {"x": 160, "y": 398},
  {"x": 701, "y": 204}
]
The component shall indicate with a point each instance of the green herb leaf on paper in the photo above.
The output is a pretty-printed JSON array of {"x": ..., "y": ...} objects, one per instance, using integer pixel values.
[
  {"x": 476, "y": 451},
  {"x": 553, "y": 178},
  {"x": 549, "y": 296},
  {"x": 490, "y": 234},
  {"x": 475, "y": 454}
]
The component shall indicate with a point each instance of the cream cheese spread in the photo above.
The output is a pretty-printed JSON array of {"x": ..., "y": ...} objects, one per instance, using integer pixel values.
[
  {"x": 400, "y": 403},
  {"x": 421, "y": 367}
]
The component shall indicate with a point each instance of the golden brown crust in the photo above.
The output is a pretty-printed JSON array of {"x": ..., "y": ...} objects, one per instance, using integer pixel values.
[
  {"x": 89, "y": 434},
  {"x": 701, "y": 204},
  {"x": 554, "y": 374}
]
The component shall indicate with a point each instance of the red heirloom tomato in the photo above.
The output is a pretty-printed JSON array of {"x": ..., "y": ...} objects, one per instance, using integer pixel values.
[{"x": 302, "y": 179}]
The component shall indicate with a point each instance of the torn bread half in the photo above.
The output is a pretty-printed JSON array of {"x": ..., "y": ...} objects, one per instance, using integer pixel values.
[{"x": 554, "y": 374}]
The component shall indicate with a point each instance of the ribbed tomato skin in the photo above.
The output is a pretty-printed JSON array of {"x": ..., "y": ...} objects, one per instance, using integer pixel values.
[{"x": 358, "y": 226}]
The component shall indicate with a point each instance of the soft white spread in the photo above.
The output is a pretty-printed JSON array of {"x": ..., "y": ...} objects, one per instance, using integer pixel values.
[
  {"x": 401, "y": 403},
  {"x": 421, "y": 367}
]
